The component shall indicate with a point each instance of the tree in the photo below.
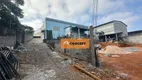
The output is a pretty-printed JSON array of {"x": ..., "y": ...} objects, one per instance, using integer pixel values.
[{"x": 9, "y": 13}]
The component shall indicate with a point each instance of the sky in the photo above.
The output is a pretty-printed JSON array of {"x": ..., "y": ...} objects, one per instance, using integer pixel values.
[{"x": 80, "y": 12}]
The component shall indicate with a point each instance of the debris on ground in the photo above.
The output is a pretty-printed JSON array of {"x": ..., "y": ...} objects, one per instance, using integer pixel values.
[
  {"x": 20, "y": 48},
  {"x": 115, "y": 56},
  {"x": 48, "y": 64},
  {"x": 140, "y": 64},
  {"x": 40, "y": 74},
  {"x": 66, "y": 63},
  {"x": 86, "y": 72},
  {"x": 131, "y": 49},
  {"x": 56, "y": 55},
  {"x": 112, "y": 50},
  {"x": 108, "y": 72},
  {"x": 90, "y": 66},
  {"x": 123, "y": 76},
  {"x": 112, "y": 55},
  {"x": 117, "y": 50},
  {"x": 130, "y": 65},
  {"x": 41, "y": 63},
  {"x": 98, "y": 46}
]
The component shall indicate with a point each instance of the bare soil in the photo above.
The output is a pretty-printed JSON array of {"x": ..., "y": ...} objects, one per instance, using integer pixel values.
[{"x": 130, "y": 64}]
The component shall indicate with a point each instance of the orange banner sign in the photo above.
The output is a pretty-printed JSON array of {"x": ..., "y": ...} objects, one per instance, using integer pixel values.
[{"x": 75, "y": 43}]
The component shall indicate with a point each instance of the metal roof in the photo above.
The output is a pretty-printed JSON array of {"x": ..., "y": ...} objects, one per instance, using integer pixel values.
[
  {"x": 109, "y": 23},
  {"x": 133, "y": 32},
  {"x": 65, "y": 22},
  {"x": 81, "y": 26}
]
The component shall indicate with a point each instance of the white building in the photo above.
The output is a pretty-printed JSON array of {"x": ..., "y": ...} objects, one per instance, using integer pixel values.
[{"x": 113, "y": 30}]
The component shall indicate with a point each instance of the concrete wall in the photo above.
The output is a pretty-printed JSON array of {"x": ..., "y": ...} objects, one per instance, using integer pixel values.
[
  {"x": 28, "y": 37},
  {"x": 11, "y": 37},
  {"x": 135, "y": 37},
  {"x": 7, "y": 41},
  {"x": 79, "y": 53},
  {"x": 11, "y": 40}
]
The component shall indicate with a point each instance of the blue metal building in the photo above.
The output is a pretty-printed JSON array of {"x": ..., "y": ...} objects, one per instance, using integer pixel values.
[{"x": 54, "y": 29}]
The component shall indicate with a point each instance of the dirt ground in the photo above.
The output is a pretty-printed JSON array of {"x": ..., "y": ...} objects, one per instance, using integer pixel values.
[
  {"x": 130, "y": 64},
  {"x": 38, "y": 62}
]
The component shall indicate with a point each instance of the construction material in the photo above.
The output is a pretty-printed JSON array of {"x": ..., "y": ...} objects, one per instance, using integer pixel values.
[
  {"x": 131, "y": 49},
  {"x": 8, "y": 64},
  {"x": 115, "y": 56},
  {"x": 86, "y": 72},
  {"x": 8, "y": 54},
  {"x": 112, "y": 50},
  {"x": 117, "y": 50}
]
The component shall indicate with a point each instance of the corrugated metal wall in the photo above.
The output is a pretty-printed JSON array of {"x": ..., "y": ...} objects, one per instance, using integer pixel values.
[
  {"x": 120, "y": 27},
  {"x": 107, "y": 29}
]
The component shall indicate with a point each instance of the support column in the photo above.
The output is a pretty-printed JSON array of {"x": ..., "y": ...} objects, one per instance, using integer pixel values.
[
  {"x": 45, "y": 34},
  {"x": 105, "y": 38},
  {"x": 116, "y": 37},
  {"x": 78, "y": 33}
]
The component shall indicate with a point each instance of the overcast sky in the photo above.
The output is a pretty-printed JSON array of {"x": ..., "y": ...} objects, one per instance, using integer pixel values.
[{"x": 80, "y": 11}]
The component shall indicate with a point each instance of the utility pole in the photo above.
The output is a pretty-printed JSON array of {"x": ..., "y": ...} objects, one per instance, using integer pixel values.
[
  {"x": 92, "y": 48},
  {"x": 94, "y": 58}
]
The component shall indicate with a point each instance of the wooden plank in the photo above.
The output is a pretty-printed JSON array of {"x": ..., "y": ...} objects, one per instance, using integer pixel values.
[{"x": 86, "y": 72}]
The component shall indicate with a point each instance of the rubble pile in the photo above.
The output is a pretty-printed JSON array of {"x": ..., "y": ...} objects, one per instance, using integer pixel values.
[
  {"x": 20, "y": 48},
  {"x": 117, "y": 50}
]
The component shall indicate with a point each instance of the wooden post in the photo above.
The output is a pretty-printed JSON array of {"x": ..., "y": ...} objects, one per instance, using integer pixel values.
[{"x": 92, "y": 48}]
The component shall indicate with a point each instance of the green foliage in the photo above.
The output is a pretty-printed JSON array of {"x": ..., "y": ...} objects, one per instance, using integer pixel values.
[
  {"x": 12, "y": 7},
  {"x": 21, "y": 2},
  {"x": 9, "y": 13}
]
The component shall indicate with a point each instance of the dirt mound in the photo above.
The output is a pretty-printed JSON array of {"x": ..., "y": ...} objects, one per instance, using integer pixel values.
[
  {"x": 104, "y": 44},
  {"x": 113, "y": 50}
]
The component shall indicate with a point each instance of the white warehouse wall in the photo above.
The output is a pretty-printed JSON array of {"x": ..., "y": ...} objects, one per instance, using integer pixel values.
[
  {"x": 112, "y": 28},
  {"x": 107, "y": 28},
  {"x": 120, "y": 27}
]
